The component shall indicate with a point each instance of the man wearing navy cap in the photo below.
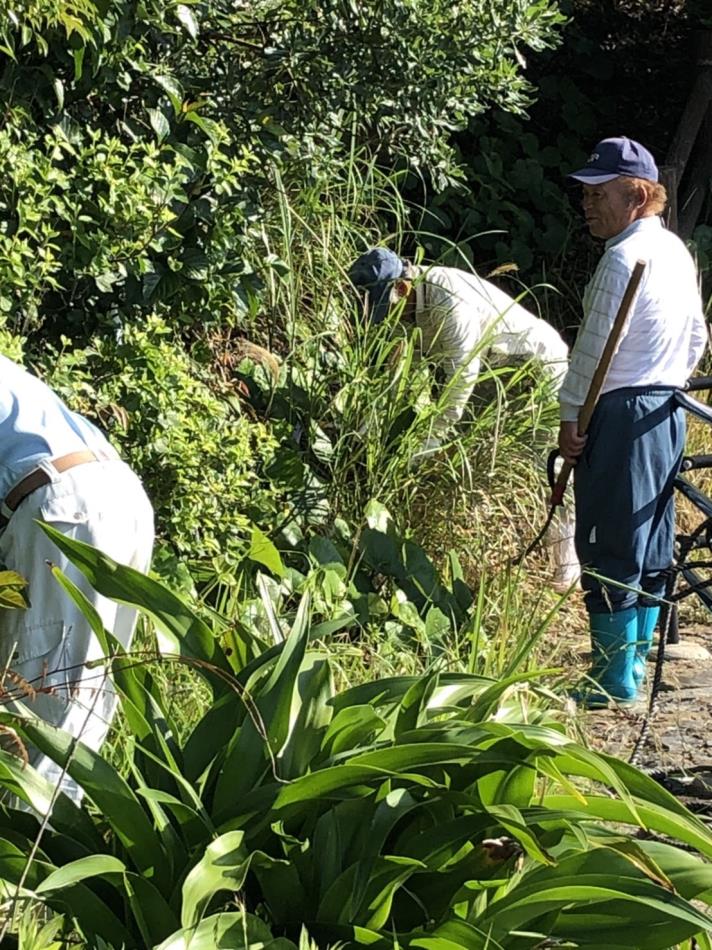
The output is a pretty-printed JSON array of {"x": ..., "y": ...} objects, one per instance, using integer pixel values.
[
  {"x": 625, "y": 466},
  {"x": 460, "y": 317}
]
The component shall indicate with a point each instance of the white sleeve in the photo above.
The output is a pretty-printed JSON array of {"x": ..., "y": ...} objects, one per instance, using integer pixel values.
[
  {"x": 699, "y": 338},
  {"x": 454, "y": 346},
  {"x": 601, "y": 301},
  {"x": 459, "y": 381}
]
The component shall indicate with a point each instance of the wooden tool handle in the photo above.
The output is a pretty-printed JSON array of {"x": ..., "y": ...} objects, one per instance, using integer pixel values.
[{"x": 599, "y": 376}]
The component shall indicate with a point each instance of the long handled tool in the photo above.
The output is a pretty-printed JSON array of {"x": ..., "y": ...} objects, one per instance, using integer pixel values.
[{"x": 594, "y": 390}]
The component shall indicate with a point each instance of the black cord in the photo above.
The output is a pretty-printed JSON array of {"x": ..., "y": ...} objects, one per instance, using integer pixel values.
[
  {"x": 658, "y": 675},
  {"x": 537, "y": 540},
  {"x": 551, "y": 478}
]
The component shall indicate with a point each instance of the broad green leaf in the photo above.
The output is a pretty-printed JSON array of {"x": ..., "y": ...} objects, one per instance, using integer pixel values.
[
  {"x": 484, "y": 705},
  {"x": 683, "y": 828},
  {"x": 96, "y": 865},
  {"x": 159, "y": 123},
  {"x": 59, "y": 93},
  {"x": 263, "y": 551},
  {"x": 585, "y": 891},
  {"x": 187, "y": 18},
  {"x": 510, "y": 818},
  {"x": 183, "y": 631},
  {"x": 91, "y": 914},
  {"x": 437, "y": 625},
  {"x": 12, "y": 599},
  {"x": 438, "y": 844},
  {"x": 311, "y": 715},
  {"x": 12, "y": 579},
  {"x": 172, "y": 88},
  {"x": 109, "y": 792},
  {"x": 208, "y": 126},
  {"x": 153, "y": 915},
  {"x": 386, "y": 874},
  {"x": 180, "y": 809},
  {"x": 325, "y": 782},
  {"x": 351, "y": 728},
  {"x": 224, "y": 866},
  {"x": 37, "y": 792},
  {"x": 78, "y": 57},
  {"x": 266, "y": 726},
  {"x": 598, "y": 888},
  {"x": 285, "y": 895},
  {"x": 361, "y": 828},
  {"x": 212, "y": 734},
  {"x": 325, "y": 552},
  {"x": 644, "y": 787},
  {"x": 414, "y": 703},
  {"x": 691, "y": 877},
  {"x": 456, "y": 935},
  {"x": 139, "y": 702},
  {"x": 230, "y": 931},
  {"x": 390, "y": 690},
  {"x": 45, "y": 936},
  {"x": 172, "y": 844}
]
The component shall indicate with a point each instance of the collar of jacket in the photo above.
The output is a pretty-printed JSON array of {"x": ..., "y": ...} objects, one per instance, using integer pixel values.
[{"x": 642, "y": 224}]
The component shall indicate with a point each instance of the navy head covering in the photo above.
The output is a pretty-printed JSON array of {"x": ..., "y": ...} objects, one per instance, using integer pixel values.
[
  {"x": 614, "y": 157},
  {"x": 375, "y": 271}
]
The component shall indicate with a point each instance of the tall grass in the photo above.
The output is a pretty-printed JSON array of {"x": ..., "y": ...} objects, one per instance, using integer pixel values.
[
  {"x": 360, "y": 402},
  {"x": 360, "y": 381}
]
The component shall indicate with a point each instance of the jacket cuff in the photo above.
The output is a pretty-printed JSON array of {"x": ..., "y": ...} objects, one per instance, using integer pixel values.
[{"x": 568, "y": 413}]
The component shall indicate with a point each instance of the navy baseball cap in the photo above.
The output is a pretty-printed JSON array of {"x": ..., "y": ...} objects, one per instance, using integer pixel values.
[
  {"x": 375, "y": 272},
  {"x": 615, "y": 157}
]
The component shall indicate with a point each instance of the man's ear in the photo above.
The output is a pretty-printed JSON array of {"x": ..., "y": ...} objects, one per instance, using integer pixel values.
[
  {"x": 637, "y": 198},
  {"x": 402, "y": 287}
]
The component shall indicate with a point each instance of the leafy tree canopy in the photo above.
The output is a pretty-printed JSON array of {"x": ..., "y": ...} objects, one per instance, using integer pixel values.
[{"x": 140, "y": 136}]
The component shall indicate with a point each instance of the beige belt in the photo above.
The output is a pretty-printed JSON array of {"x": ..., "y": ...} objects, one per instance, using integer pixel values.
[{"x": 39, "y": 477}]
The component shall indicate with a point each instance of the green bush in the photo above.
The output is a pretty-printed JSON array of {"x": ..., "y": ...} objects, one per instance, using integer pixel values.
[
  {"x": 142, "y": 140},
  {"x": 515, "y": 205},
  {"x": 185, "y": 434}
]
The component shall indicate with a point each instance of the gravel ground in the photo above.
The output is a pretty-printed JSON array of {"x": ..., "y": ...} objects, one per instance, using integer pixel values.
[{"x": 679, "y": 737}]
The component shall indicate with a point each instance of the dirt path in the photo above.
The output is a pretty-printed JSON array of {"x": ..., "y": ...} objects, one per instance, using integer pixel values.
[{"x": 679, "y": 737}]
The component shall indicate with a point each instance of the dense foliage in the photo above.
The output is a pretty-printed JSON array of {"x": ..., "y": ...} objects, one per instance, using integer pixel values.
[
  {"x": 141, "y": 139},
  {"x": 446, "y": 811},
  {"x": 214, "y": 165}
]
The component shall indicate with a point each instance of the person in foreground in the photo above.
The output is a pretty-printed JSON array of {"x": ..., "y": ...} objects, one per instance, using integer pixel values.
[
  {"x": 626, "y": 465},
  {"x": 56, "y": 467},
  {"x": 461, "y": 317}
]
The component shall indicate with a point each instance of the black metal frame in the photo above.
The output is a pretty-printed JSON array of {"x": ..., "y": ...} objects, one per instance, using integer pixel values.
[{"x": 684, "y": 568}]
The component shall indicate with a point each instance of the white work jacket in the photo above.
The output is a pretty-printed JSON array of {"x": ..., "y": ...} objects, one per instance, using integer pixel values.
[{"x": 463, "y": 318}]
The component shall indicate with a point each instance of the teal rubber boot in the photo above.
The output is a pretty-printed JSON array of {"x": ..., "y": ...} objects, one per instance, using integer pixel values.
[
  {"x": 647, "y": 622},
  {"x": 613, "y": 646}
]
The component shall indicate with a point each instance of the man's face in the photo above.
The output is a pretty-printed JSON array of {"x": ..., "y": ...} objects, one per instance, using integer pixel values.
[{"x": 608, "y": 208}]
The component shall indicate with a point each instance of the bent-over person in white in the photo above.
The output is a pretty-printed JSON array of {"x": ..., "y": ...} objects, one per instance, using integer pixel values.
[
  {"x": 56, "y": 467},
  {"x": 462, "y": 320}
]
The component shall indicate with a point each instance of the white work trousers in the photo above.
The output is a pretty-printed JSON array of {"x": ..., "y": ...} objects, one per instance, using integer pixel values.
[{"x": 104, "y": 504}]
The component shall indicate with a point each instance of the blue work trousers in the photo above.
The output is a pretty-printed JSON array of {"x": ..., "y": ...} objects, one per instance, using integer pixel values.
[{"x": 623, "y": 487}]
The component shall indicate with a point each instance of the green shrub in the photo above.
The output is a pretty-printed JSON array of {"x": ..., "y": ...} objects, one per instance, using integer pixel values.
[
  {"x": 183, "y": 432},
  {"x": 142, "y": 140}
]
